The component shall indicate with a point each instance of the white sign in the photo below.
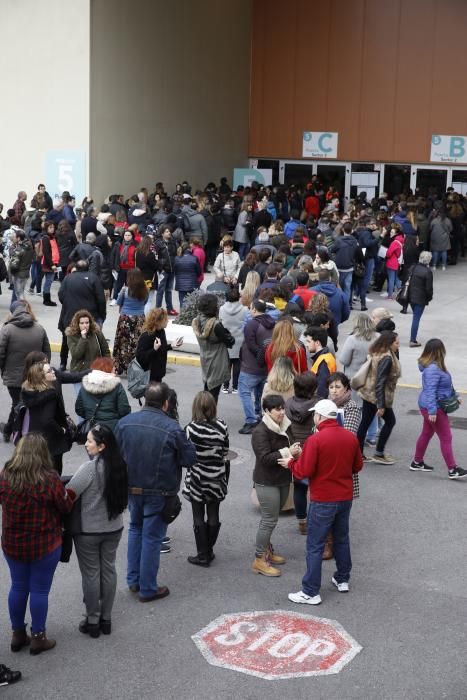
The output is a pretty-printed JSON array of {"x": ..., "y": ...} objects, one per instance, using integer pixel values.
[
  {"x": 448, "y": 149},
  {"x": 319, "y": 144}
]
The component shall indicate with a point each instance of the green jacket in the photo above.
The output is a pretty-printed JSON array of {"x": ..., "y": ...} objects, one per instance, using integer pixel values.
[
  {"x": 104, "y": 391},
  {"x": 84, "y": 351}
]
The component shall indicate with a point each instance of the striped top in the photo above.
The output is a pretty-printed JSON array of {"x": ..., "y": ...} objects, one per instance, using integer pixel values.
[{"x": 206, "y": 480}]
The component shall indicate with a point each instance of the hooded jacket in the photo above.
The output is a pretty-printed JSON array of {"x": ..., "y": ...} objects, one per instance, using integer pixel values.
[
  {"x": 105, "y": 392},
  {"x": 214, "y": 357},
  {"x": 195, "y": 225},
  {"x": 257, "y": 333},
  {"x": 19, "y": 336},
  {"x": 232, "y": 315},
  {"x": 47, "y": 416},
  {"x": 84, "y": 351},
  {"x": 343, "y": 249},
  {"x": 301, "y": 417},
  {"x": 21, "y": 257},
  {"x": 338, "y": 302}
]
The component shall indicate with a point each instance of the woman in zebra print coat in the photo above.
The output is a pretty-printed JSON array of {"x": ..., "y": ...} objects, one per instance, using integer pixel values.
[{"x": 206, "y": 481}]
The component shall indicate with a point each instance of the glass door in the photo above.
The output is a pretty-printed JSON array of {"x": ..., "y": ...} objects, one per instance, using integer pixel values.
[
  {"x": 330, "y": 175},
  {"x": 396, "y": 179},
  {"x": 298, "y": 174},
  {"x": 429, "y": 181}
]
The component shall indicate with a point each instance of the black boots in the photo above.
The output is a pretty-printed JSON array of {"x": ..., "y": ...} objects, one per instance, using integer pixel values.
[
  {"x": 47, "y": 300},
  {"x": 205, "y": 537}
]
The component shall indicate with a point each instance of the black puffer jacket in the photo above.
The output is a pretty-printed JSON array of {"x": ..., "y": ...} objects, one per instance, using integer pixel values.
[
  {"x": 421, "y": 285},
  {"x": 166, "y": 252},
  {"x": 47, "y": 416}
]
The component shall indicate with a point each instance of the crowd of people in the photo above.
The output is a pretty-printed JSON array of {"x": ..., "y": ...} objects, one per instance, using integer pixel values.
[{"x": 289, "y": 264}]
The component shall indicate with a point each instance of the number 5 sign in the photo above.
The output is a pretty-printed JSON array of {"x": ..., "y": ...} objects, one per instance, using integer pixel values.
[
  {"x": 66, "y": 170},
  {"x": 276, "y": 644}
]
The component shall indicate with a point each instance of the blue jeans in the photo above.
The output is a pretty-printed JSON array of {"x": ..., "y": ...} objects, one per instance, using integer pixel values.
[
  {"x": 145, "y": 535},
  {"x": 372, "y": 431},
  {"x": 393, "y": 281},
  {"x": 364, "y": 283},
  {"x": 418, "y": 310},
  {"x": 324, "y": 518},
  {"x": 36, "y": 275},
  {"x": 33, "y": 580},
  {"x": 48, "y": 279},
  {"x": 345, "y": 282},
  {"x": 300, "y": 500},
  {"x": 181, "y": 297},
  {"x": 243, "y": 249},
  {"x": 439, "y": 255},
  {"x": 166, "y": 282},
  {"x": 248, "y": 384}
]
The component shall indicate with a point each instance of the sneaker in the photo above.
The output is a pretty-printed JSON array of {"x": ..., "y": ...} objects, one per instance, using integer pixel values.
[
  {"x": 368, "y": 300},
  {"x": 444, "y": 267},
  {"x": 420, "y": 467},
  {"x": 247, "y": 429},
  {"x": 234, "y": 391},
  {"x": 371, "y": 443},
  {"x": 165, "y": 548},
  {"x": 7, "y": 676},
  {"x": 301, "y": 597},
  {"x": 367, "y": 459},
  {"x": 384, "y": 295},
  {"x": 225, "y": 389},
  {"x": 113, "y": 302},
  {"x": 415, "y": 344},
  {"x": 342, "y": 587},
  {"x": 364, "y": 308},
  {"x": 31, "y": 290},
  {"x": 172, "y": 312},
  {"x": 457, "y": 473},
  {"x": 383, "y": 459},
  {"x": 166, "y": 540}
]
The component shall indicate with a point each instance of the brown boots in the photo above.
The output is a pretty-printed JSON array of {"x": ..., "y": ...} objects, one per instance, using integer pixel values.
[
  {"x": 40, "y": 643},
  {"x": 328, "y": 553},
  {"x": 262, "y": 565},
  {"x": 303, "y": 527},
  {"x": 19, "y": 640}
]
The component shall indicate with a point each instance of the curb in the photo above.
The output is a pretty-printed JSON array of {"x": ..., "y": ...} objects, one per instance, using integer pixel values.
[{"x": 173, "y": 358}]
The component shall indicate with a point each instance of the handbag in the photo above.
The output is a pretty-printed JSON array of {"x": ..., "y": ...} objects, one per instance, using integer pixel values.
[
  {"x": 359, "y": 269},
  {"x": 83, "y": 428},
  {"x": 359, "y": 379},
  {"x": 138, "y": 379},
  {"x": 450, "y": 404},
  {"x": 402, "y": 296},
  {"x": 172, "y": 508}
]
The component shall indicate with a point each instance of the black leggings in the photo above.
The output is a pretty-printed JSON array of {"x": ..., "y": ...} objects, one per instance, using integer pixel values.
[
  {"x": 368, "y": 413},
  {"x": 212, "y": 511},
  {"x": 214, "y": 391}
]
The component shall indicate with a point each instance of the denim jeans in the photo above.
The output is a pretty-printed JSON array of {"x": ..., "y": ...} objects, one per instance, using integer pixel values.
[
  {"x": 439, "y": 255},
  {"x": 248, "y": 384},
  {"x": 300, "y": 498},
  {"x": 324, "y": 518},
  {"x": 243, "y": 249},
  {"x": 36, "y": 275},
  {"x": 393, "y": 281},
  {"x": 345, "y": 282},
  {"x": 166, "y": 283},
  {"x": 418, "y": 310},
  {"x": 145, "y": 535},
  {"x": 181, "y": 297},
  {"x": 19, "y": 285},
  {"x": 33, "y": 580},
  {"x": 364, "y": 282},
  {"x": 48, "y": 279},
  {"x": 119, "y": 282}
]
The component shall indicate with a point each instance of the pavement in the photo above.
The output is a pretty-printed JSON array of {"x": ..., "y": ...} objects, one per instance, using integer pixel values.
[{"x": 407, "y": 602}]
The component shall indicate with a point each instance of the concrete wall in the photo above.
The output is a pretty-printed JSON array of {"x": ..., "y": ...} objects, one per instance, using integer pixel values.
[
  {"x": 45, "y": 90},
  {"x": 169, "y": 92}
]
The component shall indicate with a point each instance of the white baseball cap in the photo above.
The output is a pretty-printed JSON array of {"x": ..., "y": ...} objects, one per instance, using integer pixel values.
[{"x": 325, "y": 408}]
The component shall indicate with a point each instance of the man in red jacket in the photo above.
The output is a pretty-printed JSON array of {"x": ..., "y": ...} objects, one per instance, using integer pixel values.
[{"x": 328, "y": 460}]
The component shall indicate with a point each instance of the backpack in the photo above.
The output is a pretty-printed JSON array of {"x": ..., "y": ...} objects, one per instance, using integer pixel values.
[{"x": 138, "y": 379}]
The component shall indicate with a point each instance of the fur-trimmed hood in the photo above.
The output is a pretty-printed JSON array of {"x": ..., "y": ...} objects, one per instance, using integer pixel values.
[{"x": 98, "y": 382}]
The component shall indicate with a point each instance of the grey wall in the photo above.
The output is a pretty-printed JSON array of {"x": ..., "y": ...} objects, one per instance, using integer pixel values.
[{"x": 169, "y": 92}]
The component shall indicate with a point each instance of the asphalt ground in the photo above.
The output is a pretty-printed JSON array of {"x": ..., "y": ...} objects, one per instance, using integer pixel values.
[{"x": 407, "y": 603}]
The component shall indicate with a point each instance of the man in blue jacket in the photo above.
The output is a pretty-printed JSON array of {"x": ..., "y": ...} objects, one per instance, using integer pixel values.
[
  {"x": 155, "y": 449},
  {"x": 338, "y": 302}
]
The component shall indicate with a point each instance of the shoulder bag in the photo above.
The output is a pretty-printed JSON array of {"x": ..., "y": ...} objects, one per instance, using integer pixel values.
[
  {"x": 359, "y": 379},
  {"x": 85, "y": 426},
  {"x": 450, "y": 404}
]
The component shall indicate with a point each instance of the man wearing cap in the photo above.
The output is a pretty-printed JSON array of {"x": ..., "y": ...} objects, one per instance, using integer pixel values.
[{"x": 328, "y": 460}]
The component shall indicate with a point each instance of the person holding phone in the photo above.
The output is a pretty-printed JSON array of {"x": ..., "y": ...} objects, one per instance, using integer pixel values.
[{"x": 152, "y": 348}]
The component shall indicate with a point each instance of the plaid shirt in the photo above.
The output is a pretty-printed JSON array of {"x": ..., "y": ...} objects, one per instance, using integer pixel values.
[{"x": 31, "y": 519}]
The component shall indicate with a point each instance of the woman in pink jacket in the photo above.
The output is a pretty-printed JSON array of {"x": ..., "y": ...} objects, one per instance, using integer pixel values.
[
  {"x": 394, "y": 258},
  {"x": 198, "y": 251}
]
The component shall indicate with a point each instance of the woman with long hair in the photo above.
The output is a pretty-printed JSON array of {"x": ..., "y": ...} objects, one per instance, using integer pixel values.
[
  {"x": 213, "y": 341},
  {"x": 152, "y": 348},
  {"x": 319, "y": 305},
  {"x": 355, "y": 349},
  {"x": 131, "y": 300},
  {"x": 85, "y": 341},
  {"x": 378, "y": 393},
  {"x": 206, "y": 481},
  {"x": 323, "y": 262},
  {"x": 123, "y": 260},
  {"x": 187, "y": 272},
  {"x": 66, "y": 241},
  {"x": 271, "y": 439},
  {"x": 440, "y": 238},
  {"x": 33, "y": 500},
  {"x": 102, "y": 484},
  {"x": 280, "y": 379},
  {"x": 146, "y": 261},
  {"x": 285, "y": 344},
  {"x": 50, "y": 259},
  {"x": 248, "y": 266},
  {"x": 46, "y": 411},
  {"x": 102, "y": 397},
  {"x": 252, "y": 282},
  {"x": 436, "y": 386}
]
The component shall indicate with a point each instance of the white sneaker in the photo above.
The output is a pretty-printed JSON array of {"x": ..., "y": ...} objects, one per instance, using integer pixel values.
[
  {"x": 234, "y": 391},
  {"x": 224, "y": 390},
  {"x": 384, "y": 295},
  {"x": 113, "y": 302},
  {"x": 368, "y": 300},
  {"x": 301, "y": 597},
  {"x": 341, "y": 587},
  {"x": 444, "y": 268}
]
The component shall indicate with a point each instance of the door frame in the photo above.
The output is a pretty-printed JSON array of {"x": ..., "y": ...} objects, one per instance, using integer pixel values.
[
  {"x": 314, "y": 164},
  {"x": 419, "y": 166}
]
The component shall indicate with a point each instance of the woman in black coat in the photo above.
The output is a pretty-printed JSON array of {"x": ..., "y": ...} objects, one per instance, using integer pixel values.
[
  {"x": 66, "y": 241},
  {"x": 420, "y": 293},
  {"x": 152, "y": 348},
  {"x": 411, "y": 252},
  {"x": 46, "y": 410},
  {"x": 146, "y": 261},
  {"x": 187, "y": 270}
]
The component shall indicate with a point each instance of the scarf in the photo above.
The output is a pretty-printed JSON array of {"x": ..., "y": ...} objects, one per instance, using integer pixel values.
[
  {"x": 340, "y": 403},
  {"x": 125, "y": 252}
]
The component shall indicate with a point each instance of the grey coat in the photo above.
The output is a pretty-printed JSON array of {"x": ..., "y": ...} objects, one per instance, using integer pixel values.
[
  {"x": 440, "y": 230},
  {"x": 214, "y": 357},
  {"x": 89, "y": 483},
  {"x": 352, "y": 356},
  {"x": 232, "y": 315},
  {"x": 19, "y": 336}
]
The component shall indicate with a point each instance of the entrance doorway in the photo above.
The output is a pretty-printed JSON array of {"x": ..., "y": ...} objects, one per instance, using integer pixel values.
[
  {"x": 396, "y": 180},
  {"x": 330, "y": 175},
  {"x": 429, "y": 181}
]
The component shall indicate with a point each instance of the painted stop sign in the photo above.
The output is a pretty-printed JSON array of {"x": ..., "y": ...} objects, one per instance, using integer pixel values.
[{"x": 276, "y": 644}]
